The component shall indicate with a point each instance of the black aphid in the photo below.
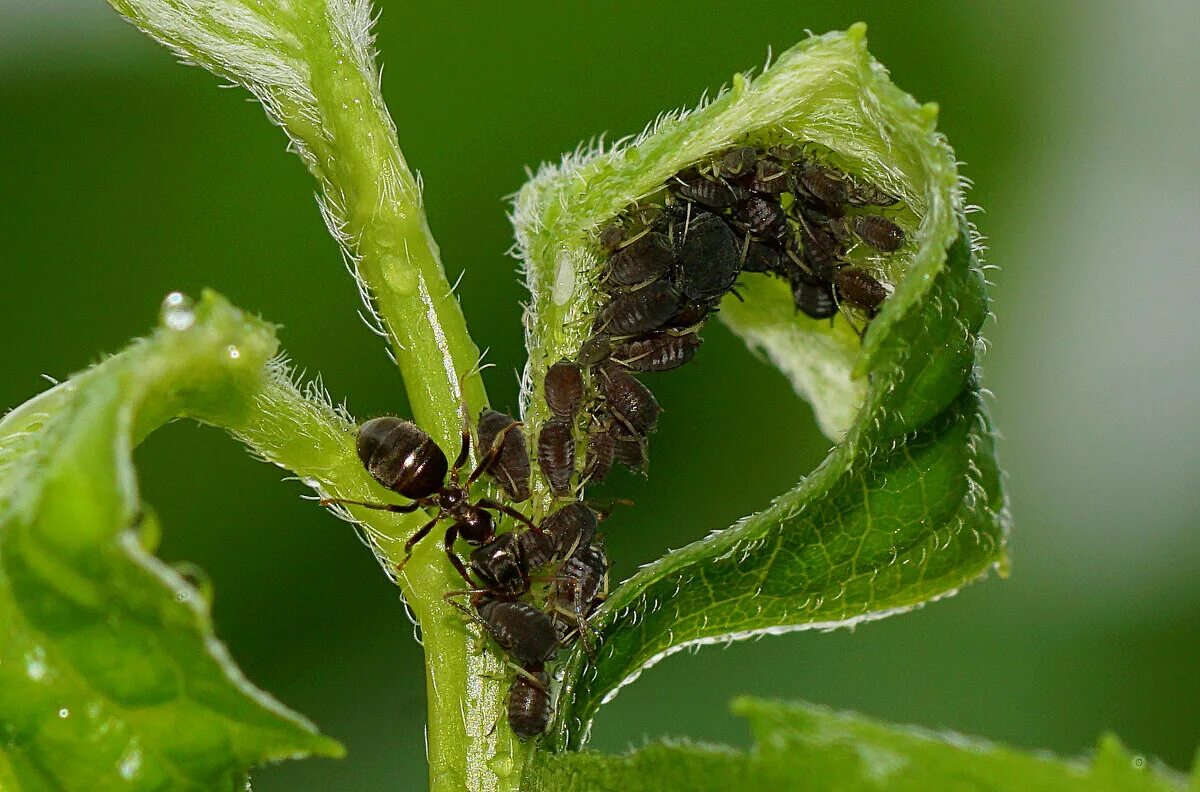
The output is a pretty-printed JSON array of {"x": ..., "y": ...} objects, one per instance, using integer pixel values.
[
  {"x": 641, "y": 310},
  {"x": 708, "y": 192},
  {"x": 563, "y": 387},
  {"x": 629, "y": 401},
  {"x": 528, "y": 706},
  {"x": 879, "y": 232},
  {"x": 709, "y": 256},
  {"x": 510, "y": 469},
  {"x": 646, "y": 258},
  {"x": 556, "y": 454},
  {"x": 658, "y": 352},
  {"x": 738, "y": 162},
  {"x": 860, "y": 288}
]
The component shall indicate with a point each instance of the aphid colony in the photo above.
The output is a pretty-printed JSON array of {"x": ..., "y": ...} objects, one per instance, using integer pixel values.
[{"x": 670, "y": 261}]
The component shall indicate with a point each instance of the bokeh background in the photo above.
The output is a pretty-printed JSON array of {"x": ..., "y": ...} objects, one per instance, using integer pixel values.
[{"x": 126, "y": 176}]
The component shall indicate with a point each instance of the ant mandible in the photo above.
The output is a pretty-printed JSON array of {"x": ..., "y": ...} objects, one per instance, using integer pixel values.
[{"x": 403, "y": 458}]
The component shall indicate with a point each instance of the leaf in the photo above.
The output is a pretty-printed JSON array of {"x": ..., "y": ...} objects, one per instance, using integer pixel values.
[
  {"x": 908, "y": 507},
  {"x": 110, "y": 675},
  {"x": 799, "y": 746}
]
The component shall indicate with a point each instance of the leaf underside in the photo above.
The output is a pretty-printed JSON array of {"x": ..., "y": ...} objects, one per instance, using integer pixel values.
[
  {"x": 110, "y": 675},
  {"x": 802, "y": 747}
]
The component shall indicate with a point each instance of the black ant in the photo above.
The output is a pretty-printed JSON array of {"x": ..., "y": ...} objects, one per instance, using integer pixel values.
[{"x": 403, "y": 458}]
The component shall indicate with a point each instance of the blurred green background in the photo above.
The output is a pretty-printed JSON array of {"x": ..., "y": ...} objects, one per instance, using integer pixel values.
[{"x": 126, "y": 176}]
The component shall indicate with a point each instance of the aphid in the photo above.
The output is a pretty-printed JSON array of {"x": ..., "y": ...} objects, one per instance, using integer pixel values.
[
  {"x": 611, "y": 236},
  {"x": 511, "y": 466},
  {"x": 641, "y": 310},
  {"x": 520, "y": 629},
  {"x": 770, "y": 178},
  {"x": 820, "y": 248},
  {"x": 738, "y": 162},
  {"x": 529, "y": 702},
  {"x": 763, "y": 216},
  {"x": 629, "y": 401},
  {"x": 571, "y": 527},
  {"x": 761, "y": 257},
  {"x": 631, "y": 452},
  {"x": 692, "y": 313},
  {"x": 579, "y": 586},
  {"x": 866, "y": 194},
  {"x": 879, "y": 232},
  {"x": 556, "y": 454},
  {"x": 786, "y": 152},
  {"x": 813, "y": 296},
  {"x": 824, "y": 184},
  {"x": 707, "y": 192},
  {"x": 860, "y": 288},
  {"x": 658, "y": 352},
  {"x": 403, "y": 458},
  {"x": 563, "y": 387},
  {"x": 647, "y": 258},
  {"x": 599, "y": 459},
  {"x": 709, "y": 256},
  {"x": 595, "y": 350},
  {"x": 501, "y": 565}
]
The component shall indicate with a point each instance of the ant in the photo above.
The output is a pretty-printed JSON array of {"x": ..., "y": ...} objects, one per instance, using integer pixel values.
[{"x": 404, "y": 459}]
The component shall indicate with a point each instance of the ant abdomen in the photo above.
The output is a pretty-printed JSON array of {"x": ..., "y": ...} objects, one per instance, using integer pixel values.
[{"x": 402, "y": 457}]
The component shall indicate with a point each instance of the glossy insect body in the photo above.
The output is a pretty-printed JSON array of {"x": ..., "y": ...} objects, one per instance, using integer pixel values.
[
  {"x": 571, "y": 527},
  {"x": 529, "y": 703},
  {"x": 659, "y": 352},
  {"x": 403, "y": 458},
  {"x": 761, "y": 257},
  {"x": 641, "y": 310},
  {"x": 556, "y": 454},
  {"x": 879, "y": 232},
  {"x": 860, "y": 287},
  {"x": 595, "y": 350},
  {"x": 501, "y": 564},
  {"x": 511, "y": 467},
  {"x": 629, "y": 401},
  {"x": 579, "y": 587},
  {"x": 520, "y": 629},
  {"x": 709, "y": 256},
  {"x": 563, "y": 388},
  {"x": 644, "y": 259}
]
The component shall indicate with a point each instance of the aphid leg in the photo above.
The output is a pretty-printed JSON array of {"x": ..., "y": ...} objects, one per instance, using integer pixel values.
[
  {"x": 488, "y": 503},
  {"x": 406, "y": 508},
  {"x": 412, "y": 541},
  {"x": 492, "y": 454}
]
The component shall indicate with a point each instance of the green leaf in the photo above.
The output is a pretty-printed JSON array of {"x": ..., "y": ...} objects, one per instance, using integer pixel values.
[
  {"x": 908, "y": 507},
  {"x": 110, "y": 675},
  {"x": 799, "y": 746}
]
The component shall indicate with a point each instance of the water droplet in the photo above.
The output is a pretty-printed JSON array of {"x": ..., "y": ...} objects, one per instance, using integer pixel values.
[
  {"x": 233, "y": 352},
  {"x": 35, "y": 664},
  {"x": 64, "y": 713},
  {"x": 178, "y": 311},
  {"x": 131, "y": 763}
]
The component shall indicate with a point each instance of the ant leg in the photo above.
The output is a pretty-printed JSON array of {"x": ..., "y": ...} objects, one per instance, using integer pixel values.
[
  {"x": 448, "y": 542},
  {"x": 492, "y": 454},
  {"x": 488, "y": 503},
  {"x": 412, "y": 541},
  {"x": 406, "y": 508}
]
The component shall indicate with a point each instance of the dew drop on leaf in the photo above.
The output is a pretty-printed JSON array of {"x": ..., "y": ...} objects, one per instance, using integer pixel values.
[{"x": 178, "y": 311}]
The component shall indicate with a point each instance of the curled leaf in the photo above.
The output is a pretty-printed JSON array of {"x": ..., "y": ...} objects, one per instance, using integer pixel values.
[
  {"x": 110, "y": 675},
  {"x": 908, "y": 507}
]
